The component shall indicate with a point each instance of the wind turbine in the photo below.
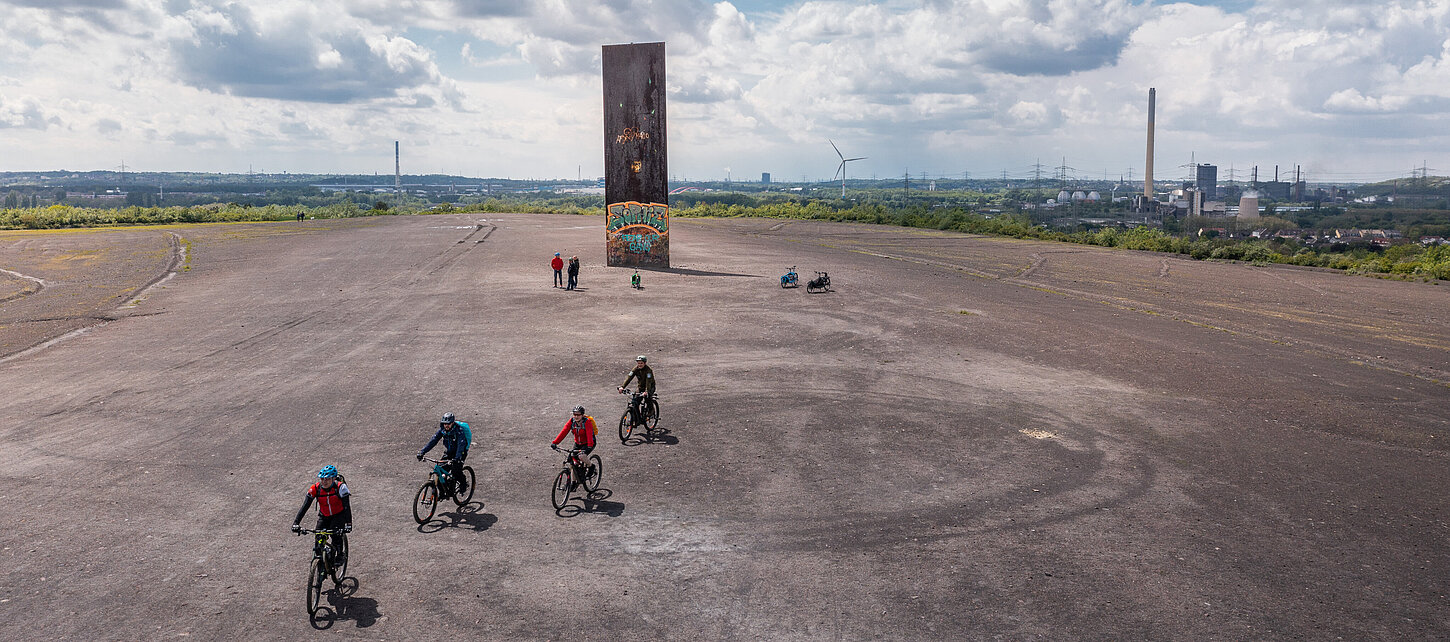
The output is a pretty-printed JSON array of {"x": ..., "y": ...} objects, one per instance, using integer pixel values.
[{"x": 841, "y": 169}]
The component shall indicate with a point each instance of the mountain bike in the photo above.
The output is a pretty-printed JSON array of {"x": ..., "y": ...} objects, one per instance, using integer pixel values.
[
  {"x": 327, "y": 561},
  {"x": 639, "y": 412},
  {"x": 441, "y": 484},
  {"x": 575, "y": 467}
]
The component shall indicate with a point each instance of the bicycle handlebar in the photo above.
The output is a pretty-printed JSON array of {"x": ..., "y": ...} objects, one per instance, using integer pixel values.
[
  {"x": 320, "y": 531},
  {"x": 438, "y": 461}
]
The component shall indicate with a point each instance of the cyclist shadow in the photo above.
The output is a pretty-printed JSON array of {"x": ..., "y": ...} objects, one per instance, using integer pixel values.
[
  {"x": 343, "y": 604},
  {"x": 467, "y": 516},
  {"x": 595, "y": 502},
  {"x": 659, "y": 435}
]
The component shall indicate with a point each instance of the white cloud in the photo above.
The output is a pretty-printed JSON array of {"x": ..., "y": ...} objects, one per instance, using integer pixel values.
[{"x": 954, "y": 84}]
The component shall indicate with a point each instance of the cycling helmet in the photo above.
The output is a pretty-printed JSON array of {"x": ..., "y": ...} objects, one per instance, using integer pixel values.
[
  {"x": 579, "y": 409},
  {"x": 327, "y": 471},
  {"x": 446, "y": 421},
  {"x": 642, "y": 359}
]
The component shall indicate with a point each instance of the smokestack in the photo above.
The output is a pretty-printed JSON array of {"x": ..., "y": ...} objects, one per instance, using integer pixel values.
[
  {"x": 397, "y": 171},
  {"x": 1148, "y": 174}
]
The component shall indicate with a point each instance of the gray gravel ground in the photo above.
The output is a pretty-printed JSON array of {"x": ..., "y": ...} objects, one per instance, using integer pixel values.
[{"x": 969, "y": 438}]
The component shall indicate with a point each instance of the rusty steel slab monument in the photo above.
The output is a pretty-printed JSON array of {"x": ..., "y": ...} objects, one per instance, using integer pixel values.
[{"x": 636, "y": 185}]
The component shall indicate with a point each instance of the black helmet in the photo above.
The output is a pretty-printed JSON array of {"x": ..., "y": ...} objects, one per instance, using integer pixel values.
[
  {"x": 579, "y": 409},
  {"x": 446, "y": 421},
  {"x": 642, "y": 359}
]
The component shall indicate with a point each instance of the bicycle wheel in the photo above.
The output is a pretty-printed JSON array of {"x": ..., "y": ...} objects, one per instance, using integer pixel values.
[
  {"x": 625, "y": 427},
  {"x": 314, "y": 585},
  {"x": 339, "y": 558},
  {"x": 596, "y": 471},
  {"x": 425, "y": 503},
  {"x": 652, "y": 414},
  {"x": 461, "y": 496},
  {"x": 561, "y": 490}
]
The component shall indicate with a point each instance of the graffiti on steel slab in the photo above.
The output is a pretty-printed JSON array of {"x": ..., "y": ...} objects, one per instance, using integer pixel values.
[
  {"x": 630, "y": 213},
  {"x": 630, "y": 135}
]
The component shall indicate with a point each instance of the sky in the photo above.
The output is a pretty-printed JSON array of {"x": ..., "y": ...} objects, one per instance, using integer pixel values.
[{"x": 1349, "y": 90}]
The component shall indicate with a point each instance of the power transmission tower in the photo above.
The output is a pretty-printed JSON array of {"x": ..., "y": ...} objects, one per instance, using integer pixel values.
[{"x": 1036, "y": 174}]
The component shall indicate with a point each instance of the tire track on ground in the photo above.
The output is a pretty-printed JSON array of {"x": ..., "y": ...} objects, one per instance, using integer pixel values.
[
  {"x": 93, "y": 321},
  {"x": 36, "y": 282}
]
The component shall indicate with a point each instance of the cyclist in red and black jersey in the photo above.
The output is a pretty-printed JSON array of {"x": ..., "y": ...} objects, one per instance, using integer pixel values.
[
  {"x": 334, "y": 505},
  {"x": 583, "y": 428}
]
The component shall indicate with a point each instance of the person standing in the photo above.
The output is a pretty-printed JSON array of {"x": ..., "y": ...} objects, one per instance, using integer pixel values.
[
  {"x": 573, "y": 272},
  {"x": 558, "y": 265}
]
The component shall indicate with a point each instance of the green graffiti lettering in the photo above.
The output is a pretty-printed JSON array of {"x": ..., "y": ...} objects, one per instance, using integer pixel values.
[{"x": 622, "y": 215}]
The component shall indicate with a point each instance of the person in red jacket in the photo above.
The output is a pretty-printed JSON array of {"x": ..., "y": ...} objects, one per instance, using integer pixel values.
[
  {"x": 558, "y": 265},
  {"x": 583, "y": 428},
  {"x": 334, "y": 507}
]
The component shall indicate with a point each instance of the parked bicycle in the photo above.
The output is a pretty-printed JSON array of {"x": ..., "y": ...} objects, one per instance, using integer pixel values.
[
  {"x": 576, "y": 472},
  {"x": 789, "y": 279},
  {"x": 639, "y": 412},
  {"x": 822, "y": 283},
  {"x": 329, "y": 559},
  {"x": 441, "y": 484}
]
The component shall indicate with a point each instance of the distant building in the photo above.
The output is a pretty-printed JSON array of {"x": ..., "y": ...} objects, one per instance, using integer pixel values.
[
  {"x": 1207, "y": 182},
  {"x": 765, "y": 177}
]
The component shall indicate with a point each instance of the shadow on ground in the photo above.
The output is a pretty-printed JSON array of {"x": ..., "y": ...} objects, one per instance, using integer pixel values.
[
  {"x": 344, "y": 605},
  {"x": 467, "y": 516}
]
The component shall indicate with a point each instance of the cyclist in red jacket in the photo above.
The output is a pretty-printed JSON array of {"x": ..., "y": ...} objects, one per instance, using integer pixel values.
[
  {"x": 334, "y": 506},
  {"x": 583, "y": 428}
]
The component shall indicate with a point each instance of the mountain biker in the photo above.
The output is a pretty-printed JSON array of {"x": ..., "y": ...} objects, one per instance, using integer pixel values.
[
  {"x": 645, "y": 378},
  {"x": 456, "y": 437},
  {"x": 334, "y": 506},
  {"x": 584, "y": 429}
]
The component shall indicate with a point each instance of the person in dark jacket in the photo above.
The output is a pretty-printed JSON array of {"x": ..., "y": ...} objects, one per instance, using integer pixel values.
[
  {"x": 573, "y": 272},
  {"x": 456, "y": 437}
]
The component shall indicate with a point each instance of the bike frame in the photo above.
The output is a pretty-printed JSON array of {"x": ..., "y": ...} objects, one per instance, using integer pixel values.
[
  {"x": 322, "y": 543},
  {"x": 442, "y": 475}
]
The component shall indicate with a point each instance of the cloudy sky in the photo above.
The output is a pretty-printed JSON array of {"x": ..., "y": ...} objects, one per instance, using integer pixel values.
[{"x": 1352, "y": 90}]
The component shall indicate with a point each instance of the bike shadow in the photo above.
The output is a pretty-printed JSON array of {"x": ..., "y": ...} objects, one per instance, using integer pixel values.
[
  {"x": 656, "y": 436},
  {"x": 595, "y": 502},
  {"x": 343, "y": 604},
  {"x": 467, "y": 516}
]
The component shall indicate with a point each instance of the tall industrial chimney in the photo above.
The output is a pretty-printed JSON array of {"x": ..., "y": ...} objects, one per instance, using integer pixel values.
[
  {"x": 1148, "y": 175},
  {"x": 397, "y": 171}
]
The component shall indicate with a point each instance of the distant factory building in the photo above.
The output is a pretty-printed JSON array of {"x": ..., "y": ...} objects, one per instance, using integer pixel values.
[
  {"x": 1207, "y": 181},
  {"x": 765, "y": 177}
]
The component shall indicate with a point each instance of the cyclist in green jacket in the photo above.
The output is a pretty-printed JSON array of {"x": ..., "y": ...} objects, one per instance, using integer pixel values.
[{"x": 645, "y": 379}]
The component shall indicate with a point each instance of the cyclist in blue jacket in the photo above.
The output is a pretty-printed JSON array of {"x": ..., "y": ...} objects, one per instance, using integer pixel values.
[{"x": 456, "y": 437}]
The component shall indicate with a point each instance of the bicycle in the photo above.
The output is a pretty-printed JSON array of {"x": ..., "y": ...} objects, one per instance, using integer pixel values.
[
  {"x": 440, "y": 481},
  {"x": 591, "y": 471},
  {"x": 789, "y": 279},
  {"x": 326, "y": 562},
  {"x": 822, "y": 283},
  {"x": 645, "y": 414}
]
